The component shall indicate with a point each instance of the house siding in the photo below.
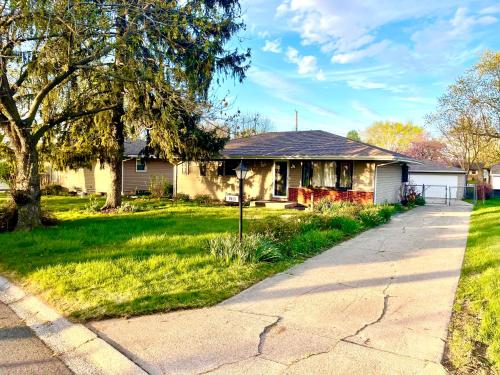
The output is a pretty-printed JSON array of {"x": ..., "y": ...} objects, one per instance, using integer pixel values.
[
  {"x": 134, "y": 181},
  {"x": 102, "y": 176},
  {"x": 258, "y": 183},
  {"x": 388, "y": 183}
]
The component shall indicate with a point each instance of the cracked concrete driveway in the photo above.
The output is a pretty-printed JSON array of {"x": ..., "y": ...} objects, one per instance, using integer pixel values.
[{"x": 377, "y": 304}]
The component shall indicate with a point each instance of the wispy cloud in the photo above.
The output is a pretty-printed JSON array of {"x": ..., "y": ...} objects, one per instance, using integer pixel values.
[
  {"x": 273, "y": 46},
  {"x": 365, "y": 111}
]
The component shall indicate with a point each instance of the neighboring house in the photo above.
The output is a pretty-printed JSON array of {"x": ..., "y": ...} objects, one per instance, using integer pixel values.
[
  {"x": 137, "y": 172},
  {"x": 495, "y": 179},
  {"x": 296, "y": 166},
  {"x": 478, "y": 173},
  {"x": 440, "y": 180}
]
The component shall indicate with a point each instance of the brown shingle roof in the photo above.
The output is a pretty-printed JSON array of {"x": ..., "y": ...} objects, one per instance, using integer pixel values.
[
  {"x": 313, "y": 144},
  {"x": 432, "y": 166}
]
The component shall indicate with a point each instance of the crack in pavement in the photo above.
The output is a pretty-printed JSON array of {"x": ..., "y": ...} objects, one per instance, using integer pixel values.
[
  {"x": 263, "y": 334},
  {"x": 381, "y": 316}
]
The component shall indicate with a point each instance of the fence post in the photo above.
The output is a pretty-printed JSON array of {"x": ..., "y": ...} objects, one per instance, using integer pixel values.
[{"x": 423, "y": 191}]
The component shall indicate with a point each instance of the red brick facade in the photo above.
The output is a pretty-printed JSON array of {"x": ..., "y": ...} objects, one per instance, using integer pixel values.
[{"x": 303, "y": 195}]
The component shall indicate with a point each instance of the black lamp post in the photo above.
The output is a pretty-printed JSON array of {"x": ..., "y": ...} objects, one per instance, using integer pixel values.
[{"x": 241, "y": 173}]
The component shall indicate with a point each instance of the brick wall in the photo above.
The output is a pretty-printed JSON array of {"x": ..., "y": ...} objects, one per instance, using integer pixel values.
[{"x": 303, "y": 195}]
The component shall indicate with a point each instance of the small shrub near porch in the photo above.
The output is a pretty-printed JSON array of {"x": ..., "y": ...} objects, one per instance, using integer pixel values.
[{"x": 295, "y": 237}]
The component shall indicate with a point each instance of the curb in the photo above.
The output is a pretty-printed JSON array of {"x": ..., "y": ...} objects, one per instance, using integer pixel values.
[{"x": 77, "y": 346}]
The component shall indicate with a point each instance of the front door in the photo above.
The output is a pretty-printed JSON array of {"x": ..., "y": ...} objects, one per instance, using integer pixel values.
[{"x": 281, "y": 179}]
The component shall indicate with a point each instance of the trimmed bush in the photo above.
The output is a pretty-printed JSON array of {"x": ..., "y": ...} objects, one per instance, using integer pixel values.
[
  {"x": 253, "y": 248},
  {"x": 203, "y": 199},
  {"x": 159, "y": 187},
  {"x": 55, "y": 189}
]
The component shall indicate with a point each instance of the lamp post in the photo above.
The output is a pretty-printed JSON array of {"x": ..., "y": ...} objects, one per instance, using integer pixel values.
[{"x": 241, "y": 173}]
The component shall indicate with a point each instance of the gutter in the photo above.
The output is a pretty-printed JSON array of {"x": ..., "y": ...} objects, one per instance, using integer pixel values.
[{"x": 325, "y": 157}]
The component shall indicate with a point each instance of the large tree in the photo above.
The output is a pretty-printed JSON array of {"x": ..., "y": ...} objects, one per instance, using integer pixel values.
[
  {"x": 429, "y": 149},
  {"x": 353, "y": 135},
  {"x": 44, "y": 45},
  {"x": 394, "y": 136},
  {"x": 149, "y": 62},
  {"x": 248, "y": 124},
  {"x": 167, "y": 55},
  {"x": 468, "y": 114}
]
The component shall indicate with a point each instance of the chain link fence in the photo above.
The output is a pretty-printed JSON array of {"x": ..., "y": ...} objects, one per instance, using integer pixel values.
[{"x": 441, "y": 194}]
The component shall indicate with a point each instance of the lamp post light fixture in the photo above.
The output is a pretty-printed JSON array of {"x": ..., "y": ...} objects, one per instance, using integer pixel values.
[{"x": 241, "y": 173}]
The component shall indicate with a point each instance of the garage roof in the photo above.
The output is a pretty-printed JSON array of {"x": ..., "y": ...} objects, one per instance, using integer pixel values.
[{"x": 428, "y": 166}]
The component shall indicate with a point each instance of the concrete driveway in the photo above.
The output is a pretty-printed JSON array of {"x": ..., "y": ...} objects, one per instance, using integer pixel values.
[{"x": 377, "y": 304}]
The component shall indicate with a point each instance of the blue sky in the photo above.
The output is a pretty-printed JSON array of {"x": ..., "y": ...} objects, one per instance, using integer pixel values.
[{"x": 344, "y": 64}]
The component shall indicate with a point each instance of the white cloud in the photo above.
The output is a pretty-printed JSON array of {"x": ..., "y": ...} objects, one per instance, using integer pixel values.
[
  {"x": 273, "y": 46},
  {"x": 305, "y": 64},
  {"x": 364, "y": 110},
  {"x": 418, "y": 99},
  {"x": 320, "y": 76},
  {"x": 370, "y": 51}
]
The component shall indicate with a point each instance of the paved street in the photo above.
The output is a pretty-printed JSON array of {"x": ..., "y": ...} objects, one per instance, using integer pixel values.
[
  {"x": 377, "y": 304},
  {"x": 21, "y": 352}
]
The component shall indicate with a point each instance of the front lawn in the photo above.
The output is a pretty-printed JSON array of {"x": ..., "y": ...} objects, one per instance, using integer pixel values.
[
  {"x": 93, "y": 265},
  {"x": 474, "y": 335}
]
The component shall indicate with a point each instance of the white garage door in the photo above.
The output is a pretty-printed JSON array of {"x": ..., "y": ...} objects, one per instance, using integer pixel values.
[
  {"x": 437, "y": 184},
  {"x": 495, "y": 182}
]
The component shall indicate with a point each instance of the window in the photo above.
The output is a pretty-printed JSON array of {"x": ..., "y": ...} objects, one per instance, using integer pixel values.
[
  {"x": 140, "y": 165},
  {"x": 203, "y": 169},
  {"x": 319, "y": 173},
  {"x": 226, "y": 167},
  {"x": 345, "y": 174},
  {"x": 404, "y": 177},
  {"x": 185, "y": 168},
  {"x": 306, "y": 173}
]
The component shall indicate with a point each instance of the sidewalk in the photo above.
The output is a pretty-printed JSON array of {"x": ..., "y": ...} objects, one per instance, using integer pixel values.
[{"x": 21, "y": 352}]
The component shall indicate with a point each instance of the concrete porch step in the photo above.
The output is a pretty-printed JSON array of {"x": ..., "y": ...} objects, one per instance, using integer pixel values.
[{"x": 277, "y": 204}]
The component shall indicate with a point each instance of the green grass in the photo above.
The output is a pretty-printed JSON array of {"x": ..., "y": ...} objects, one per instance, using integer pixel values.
[
  {"x": 474, "y": 336},
  {"x": 93, "y": 265}
]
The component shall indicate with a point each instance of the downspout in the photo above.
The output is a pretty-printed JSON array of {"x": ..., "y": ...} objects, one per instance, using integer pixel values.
[
  {"x": 176, "y": 167},
  {"x": 375, "y": 179},
  {"x": 123, "y": 172}
]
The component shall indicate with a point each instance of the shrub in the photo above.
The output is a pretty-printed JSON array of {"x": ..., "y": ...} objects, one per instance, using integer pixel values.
[
  {"x": 375, "y": 215},
  {"x": 159, "y": 187},
  {"x": 55, "y": 189},
  {"x": 311, "y": 242},
  {"x": 343, "y": 208},
  {"x": 419, "y": 201},
  {"x": 8, "y": 217},
  {"x": 484, "y": 191},
  {"x": 276, "y": 228},
  {"x": 253, "y": 248},
  {"x": 92, "y": 206},
  {"x": 180, "y": 197},
  {"x": 345, "y": 224},
  {"x": 203, "y": 199}
]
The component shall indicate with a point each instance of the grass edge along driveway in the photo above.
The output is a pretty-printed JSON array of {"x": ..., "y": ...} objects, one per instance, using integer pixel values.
[
  {"x": 474, "y": 333},
  {"x": 95, "y": 266}
]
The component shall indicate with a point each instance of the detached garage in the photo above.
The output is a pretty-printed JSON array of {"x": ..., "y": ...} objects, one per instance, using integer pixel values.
[{"x": 439, "y": 180}]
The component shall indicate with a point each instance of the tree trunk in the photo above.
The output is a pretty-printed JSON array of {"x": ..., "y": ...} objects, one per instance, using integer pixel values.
[
  {"x": 26, "y": 192},
  {"x": 114, "y": 194}
]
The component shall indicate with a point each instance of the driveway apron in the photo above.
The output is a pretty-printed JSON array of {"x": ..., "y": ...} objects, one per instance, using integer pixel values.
[{"x": 379, "y": 303}]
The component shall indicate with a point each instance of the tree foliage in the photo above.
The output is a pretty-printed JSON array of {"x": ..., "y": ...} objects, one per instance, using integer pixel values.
[
  {"x": 429, "y": 149},
  {"x": 394, "y": 136},
  {"x": 248, "y": 124},
  {"x": 353, "y": 135},
  {"x": 70, "y": 69}
]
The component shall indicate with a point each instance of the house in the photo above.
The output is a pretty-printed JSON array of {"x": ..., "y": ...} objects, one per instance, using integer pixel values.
[
  {"x": 478, "y": 173},
  {"x": 439, "y": 180},
  {"x": 495, "y": 180},
  {"x": 138, "y": 169},
  {"x": 299, "y": 167}
]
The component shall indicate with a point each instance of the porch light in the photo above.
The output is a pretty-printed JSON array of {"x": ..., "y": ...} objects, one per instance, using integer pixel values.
[{"x": 241, "y": 173}]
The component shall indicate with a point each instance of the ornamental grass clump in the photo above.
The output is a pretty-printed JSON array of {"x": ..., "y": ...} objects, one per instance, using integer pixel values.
[{"x": 253, "y": 248}]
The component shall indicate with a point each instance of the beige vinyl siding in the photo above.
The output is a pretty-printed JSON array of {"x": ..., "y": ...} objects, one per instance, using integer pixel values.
[
  {"x": 388, "y": 183},
  {"x": 133, "y": 181},
  {"x": 258, "y": 183},
  {"x": 102, "y": 177}
]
